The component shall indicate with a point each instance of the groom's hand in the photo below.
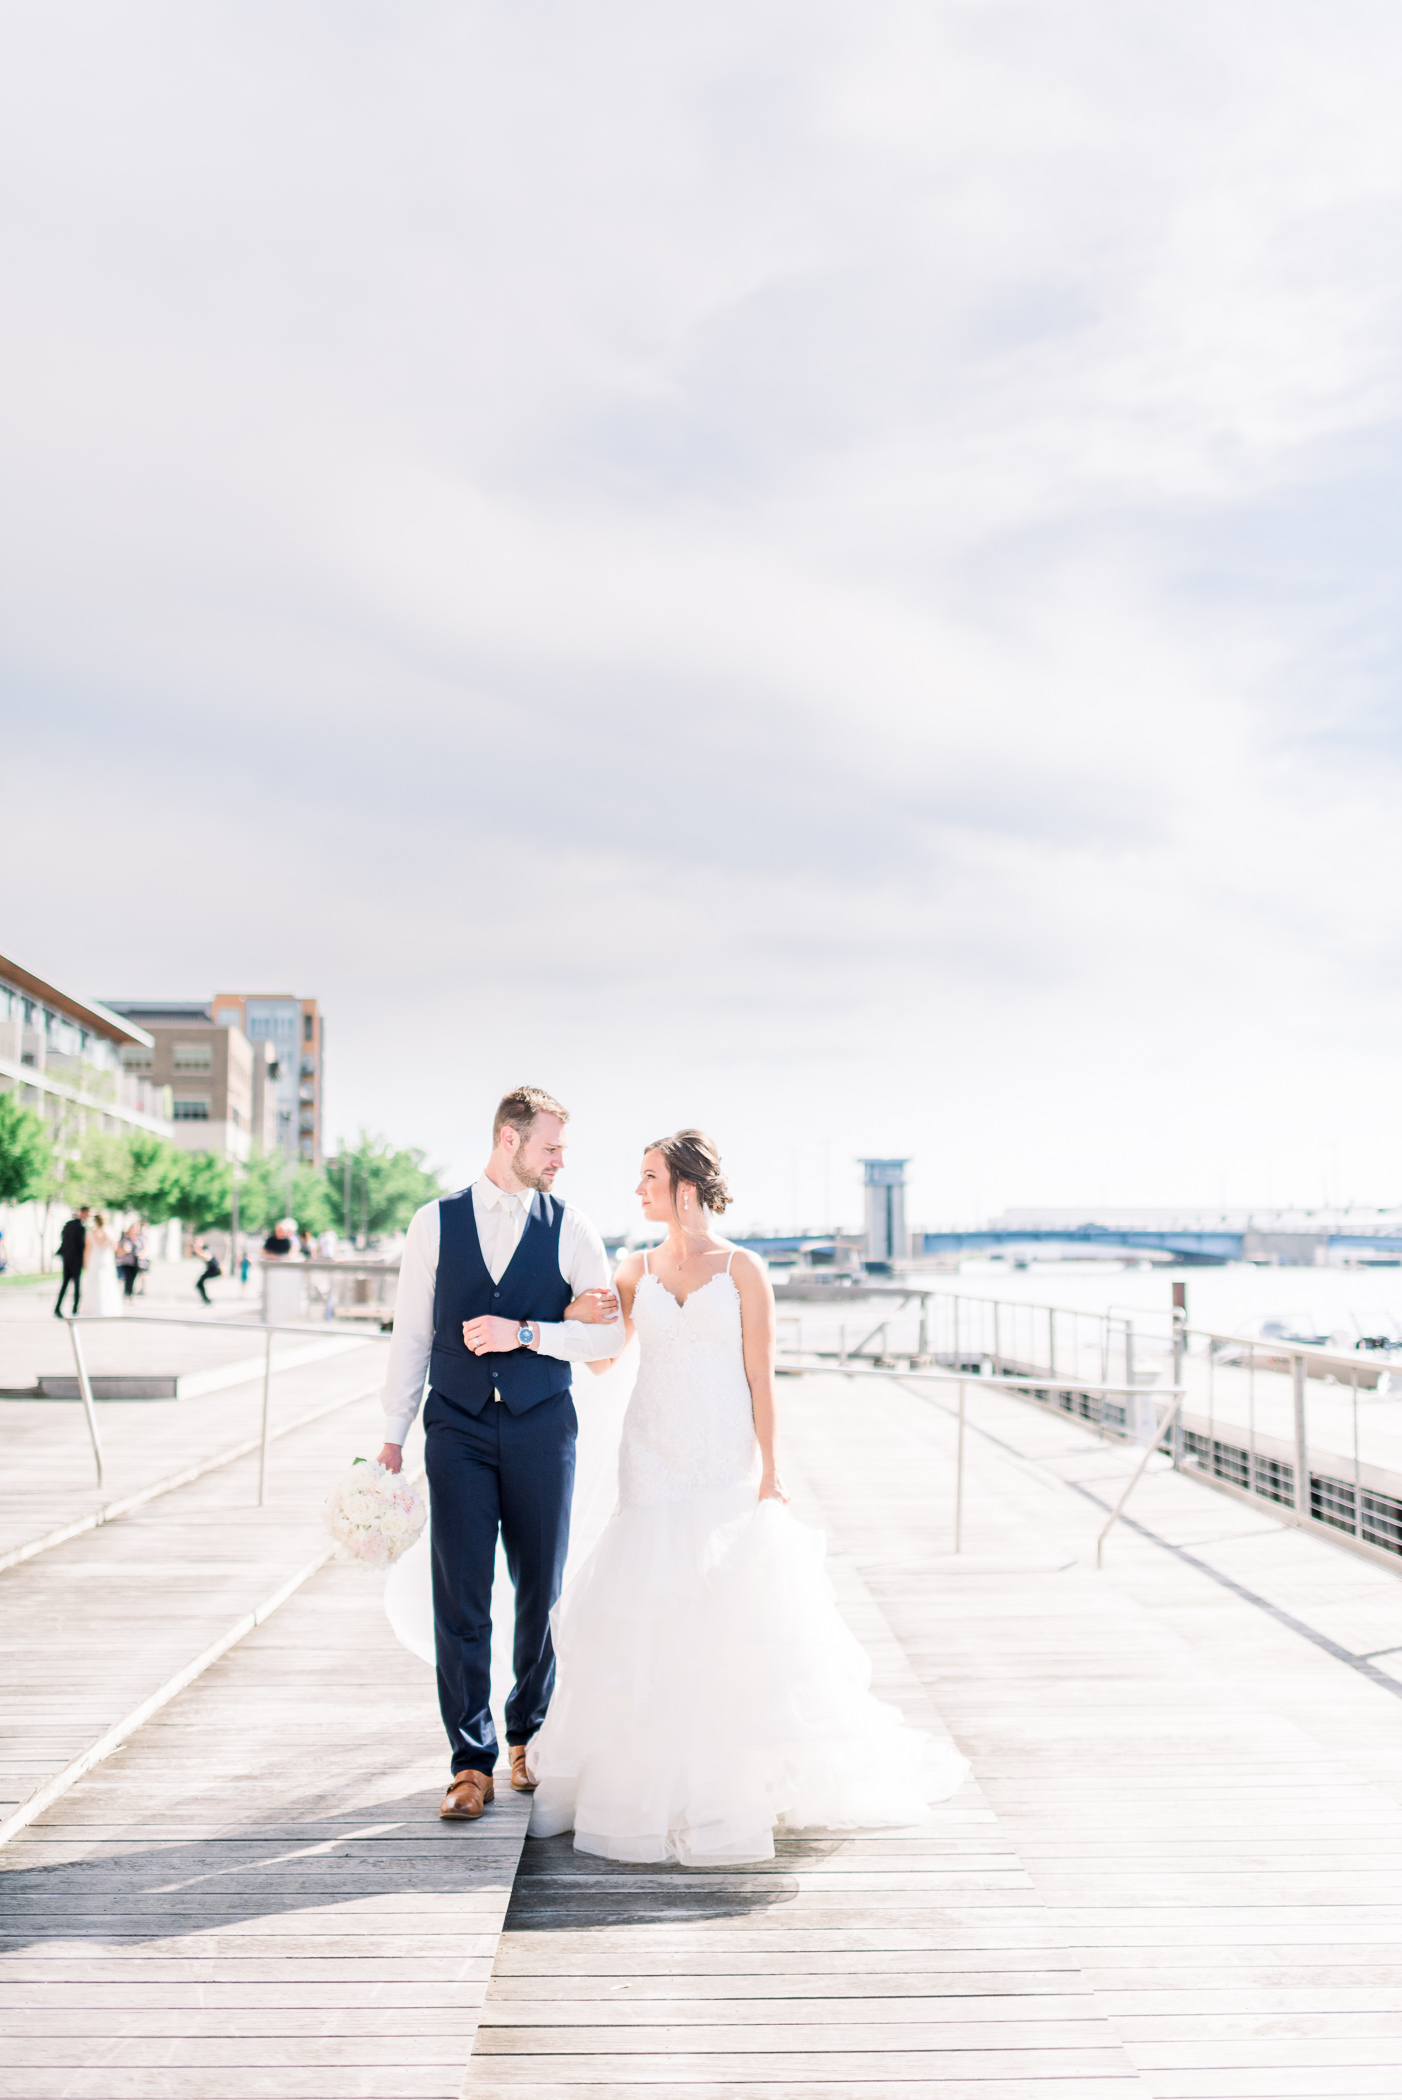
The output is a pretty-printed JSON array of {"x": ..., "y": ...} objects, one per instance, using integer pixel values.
[
  {"x": 391, "y": 1457},
  {"x": 488, "y": 1335}
]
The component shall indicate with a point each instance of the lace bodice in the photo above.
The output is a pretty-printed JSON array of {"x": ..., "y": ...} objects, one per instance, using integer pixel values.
[{"x": 690, "y": 1424}]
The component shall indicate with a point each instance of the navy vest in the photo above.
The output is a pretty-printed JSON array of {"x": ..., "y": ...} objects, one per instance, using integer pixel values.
[{"x": 531, "y": 1288}]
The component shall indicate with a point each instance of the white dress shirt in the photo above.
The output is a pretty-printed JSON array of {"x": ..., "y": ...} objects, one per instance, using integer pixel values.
[{"x": 501, "y": 1219}]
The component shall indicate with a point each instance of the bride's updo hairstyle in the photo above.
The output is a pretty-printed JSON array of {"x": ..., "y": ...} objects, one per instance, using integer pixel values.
[{"x": 691, "y": 1156}]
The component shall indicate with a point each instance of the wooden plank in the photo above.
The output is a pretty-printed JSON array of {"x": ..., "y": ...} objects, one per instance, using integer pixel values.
[{"x": 257, "y": 1896}]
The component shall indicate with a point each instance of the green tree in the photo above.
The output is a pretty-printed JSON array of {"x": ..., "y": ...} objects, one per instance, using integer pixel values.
[
  {"x": 271, "y": 1187},
  {"x": 99, "y": 1171},
  {"x": 262, "y": 1191},
  {"x": 205, "y": 1191},
  {"x": 157, "y": 1179},
  {"x": 25, "y": 1152},
  {"x": 311, "y": 1203},
  {"x": 386, "y": 1187}
]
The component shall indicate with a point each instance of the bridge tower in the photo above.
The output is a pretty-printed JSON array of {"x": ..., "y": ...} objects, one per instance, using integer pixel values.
[{"x": 886, "y": 1235}]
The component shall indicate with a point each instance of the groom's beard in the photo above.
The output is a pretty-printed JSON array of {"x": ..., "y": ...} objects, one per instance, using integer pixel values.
[{"x": 535, "y": 1181}]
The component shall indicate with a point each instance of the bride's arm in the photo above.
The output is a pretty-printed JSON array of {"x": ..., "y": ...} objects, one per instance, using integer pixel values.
[
  {"x": 757, "y": 1330},
  {"x": 599, "y": 1307}
]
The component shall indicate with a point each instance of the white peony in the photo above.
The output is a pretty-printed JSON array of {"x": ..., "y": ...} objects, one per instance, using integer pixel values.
[{"x": 373, "y": 1515}]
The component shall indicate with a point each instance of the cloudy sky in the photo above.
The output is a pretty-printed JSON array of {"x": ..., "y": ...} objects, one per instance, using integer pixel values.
[{"x": 826, "y": 571}]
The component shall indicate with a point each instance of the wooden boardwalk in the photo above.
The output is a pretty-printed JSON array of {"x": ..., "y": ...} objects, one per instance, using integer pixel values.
[
  {"x": 257, "y": 1896},
  {"x": 146, "y": 1440},
  {"x": 1177, "y": 1871}
]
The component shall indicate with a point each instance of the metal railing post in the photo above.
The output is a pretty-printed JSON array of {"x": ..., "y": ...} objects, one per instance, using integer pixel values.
[
  {"x": 997, "y": 1346},
  {"x": 1149, "y": 1449},
  {"x": 1357, "y": 1471},
  {"x": 1298, "y": 1370},
  {"x": 85, "y": 1394},
  {"x": 959, "y": 1478},
  {"x": 267, "y": 1396},
  {"x": 923, "y": 1345},
  {"x": 1051, "y": 1340}
]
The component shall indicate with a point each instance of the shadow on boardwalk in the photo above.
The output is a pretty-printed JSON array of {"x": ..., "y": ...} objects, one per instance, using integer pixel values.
[
  {"x": 384, "y": 1852},
  {"x": 558, "y": 1889}
]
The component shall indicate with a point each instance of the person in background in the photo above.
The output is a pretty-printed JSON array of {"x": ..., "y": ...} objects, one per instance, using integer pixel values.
[
  {"x": 208, "y": 1273},
  {"x": 245, "y": 1264},
  {"x": 279, "y": 1244},
  {"x": 131, "y": 1247},
  {"x": 306, "y": 1245},
  {"x": 326, "y": 1245},
  {"x": 72, "y": 1246},
  {"x": 100, "y": 1267},
  {"x": 4, "y": 1256}
]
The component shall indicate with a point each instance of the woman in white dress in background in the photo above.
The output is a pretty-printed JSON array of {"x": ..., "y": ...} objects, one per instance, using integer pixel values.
[
  {"x": 708, "y": 1690},
  {"x": 103, "y": 1289}
]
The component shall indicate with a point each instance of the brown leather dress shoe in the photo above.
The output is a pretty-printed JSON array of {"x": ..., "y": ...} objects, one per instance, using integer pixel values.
[
  {"x": 520, "y": 1777},
  {"x": 466, "y": 1797}
]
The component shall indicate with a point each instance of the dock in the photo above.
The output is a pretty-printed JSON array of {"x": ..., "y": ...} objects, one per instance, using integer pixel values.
[{"x": 1175, "y": 1872}]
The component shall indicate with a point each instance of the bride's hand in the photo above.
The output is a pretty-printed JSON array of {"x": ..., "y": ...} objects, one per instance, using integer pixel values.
[
  {"x": 772, "y": 1489},
  {"x": 596, "y": 1308}
]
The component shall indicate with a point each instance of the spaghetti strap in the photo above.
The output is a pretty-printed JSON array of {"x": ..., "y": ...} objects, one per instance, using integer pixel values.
[
  {"x": 732, "y": 1257},
  {"x": 646, "y": 1270}
]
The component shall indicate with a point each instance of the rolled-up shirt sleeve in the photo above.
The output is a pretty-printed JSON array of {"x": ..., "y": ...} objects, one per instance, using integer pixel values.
[
  {"x": 585, "y": 1267},
  {"x": 413, "y": 1325}
]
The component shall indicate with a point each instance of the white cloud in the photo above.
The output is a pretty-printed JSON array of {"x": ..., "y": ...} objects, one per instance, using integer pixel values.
[{"x": 819, "y": 570}]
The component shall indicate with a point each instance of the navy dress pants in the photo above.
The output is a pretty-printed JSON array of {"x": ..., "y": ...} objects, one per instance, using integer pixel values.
[{"x": 488, "y": 1472}]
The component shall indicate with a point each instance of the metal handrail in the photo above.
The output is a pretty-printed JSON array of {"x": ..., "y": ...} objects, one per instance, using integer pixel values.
[
  {"x": 1176, "y": 1394},
  {"x": 1169, "y": 1417},
  {"x": 265, "y": 1327},
  {"x": 1039, "y": 1382},
  {"x": 1277, "y": 1345}
]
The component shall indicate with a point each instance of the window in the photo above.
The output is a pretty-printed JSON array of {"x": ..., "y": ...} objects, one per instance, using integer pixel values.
[
  {"x": 135, "y": 1059},
  {"x": 192, "y": 1057},
  {"x": 194, "y": 1109},
  {"x": 308, "y": 1027},
  {"x": 227, "y": 1017}
]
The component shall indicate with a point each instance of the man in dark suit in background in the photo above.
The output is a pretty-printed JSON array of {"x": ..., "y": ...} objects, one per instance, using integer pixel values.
[{"x": 72, "y": 1244}]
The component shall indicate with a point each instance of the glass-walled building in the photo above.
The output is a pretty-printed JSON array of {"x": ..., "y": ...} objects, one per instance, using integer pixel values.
[{"x": 63, "y": 1056}]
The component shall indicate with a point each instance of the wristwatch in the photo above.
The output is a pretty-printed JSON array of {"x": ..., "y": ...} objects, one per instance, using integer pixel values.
[{"x": 526, "y": 1335}]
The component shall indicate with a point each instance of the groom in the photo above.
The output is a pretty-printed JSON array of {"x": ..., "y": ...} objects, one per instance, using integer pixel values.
[{"x": 484, "y": 1281}]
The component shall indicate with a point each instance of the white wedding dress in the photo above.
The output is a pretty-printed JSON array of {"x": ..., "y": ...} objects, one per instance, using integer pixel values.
[
  {"x": 102, "y": 1287},
  {"x": 708, "y": 1690}
]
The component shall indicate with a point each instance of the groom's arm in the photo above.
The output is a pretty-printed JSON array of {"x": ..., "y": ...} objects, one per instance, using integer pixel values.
[
  {"x": 413, "y": 1329},
  {"x": 584, "y": 1264},
  {"x": 585, "y": 1267}
]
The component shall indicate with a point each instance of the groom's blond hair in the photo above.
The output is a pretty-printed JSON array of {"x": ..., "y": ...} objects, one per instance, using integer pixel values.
[{"x": 520, "y": 1108}]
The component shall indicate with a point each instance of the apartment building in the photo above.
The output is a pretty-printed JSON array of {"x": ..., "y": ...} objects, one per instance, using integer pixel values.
[
  {"x": 64, "y": 1057},
  {"x": 297, "y": 1032},
  {"x": 222, "y": 1087}
]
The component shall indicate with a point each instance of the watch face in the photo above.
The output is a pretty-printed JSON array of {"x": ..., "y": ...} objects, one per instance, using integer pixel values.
[{"x": 523, "y": 1335}]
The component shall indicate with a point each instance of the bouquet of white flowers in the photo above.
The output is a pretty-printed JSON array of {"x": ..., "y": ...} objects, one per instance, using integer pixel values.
[{"x": 373, "y": 1515}]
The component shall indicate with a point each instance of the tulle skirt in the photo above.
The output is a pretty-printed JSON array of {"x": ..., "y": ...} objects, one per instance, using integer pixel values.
[{"x": 709, "y": 1692}]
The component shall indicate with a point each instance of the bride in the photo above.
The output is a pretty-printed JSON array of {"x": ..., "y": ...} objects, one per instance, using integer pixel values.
[
  {"x": 708, "y": 1690},
  {"x": 100, "y": 1267}
]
